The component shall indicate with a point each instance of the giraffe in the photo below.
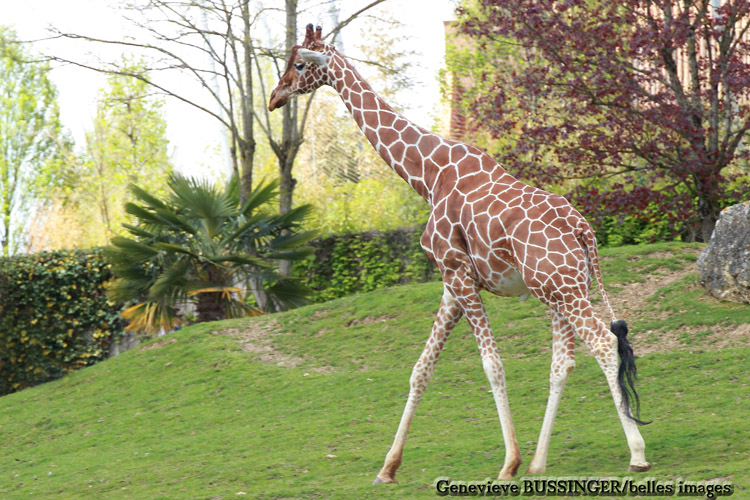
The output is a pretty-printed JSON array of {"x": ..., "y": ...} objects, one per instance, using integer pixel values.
[{"x": 486, "y": 231}]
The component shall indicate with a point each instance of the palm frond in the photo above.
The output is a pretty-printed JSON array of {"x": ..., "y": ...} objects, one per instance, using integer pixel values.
[
  {"x": 261, "y": 195},
  {"x": 294, "y": 217},
  {"x": 170, "y": 283},
  {"x": 225, "y": 291},
  {"x": 200, "y": 199},
  {"x": 139, "y": 231},
  {"x": 174, "y": 248},
  {"x": 145, "y": 215},
  {"x": 292, "y": 240},
  {"x": 135, "y": 250},
  {"x": 243, "y": 259},
  {"x": 150, "y": 317},
  {"x": 288, "y": 293},
  {"x": 142, "y": 195}
]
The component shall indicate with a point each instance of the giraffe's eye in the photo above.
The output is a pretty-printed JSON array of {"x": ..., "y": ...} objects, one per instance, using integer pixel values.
[{"x": 300, "y": 66}]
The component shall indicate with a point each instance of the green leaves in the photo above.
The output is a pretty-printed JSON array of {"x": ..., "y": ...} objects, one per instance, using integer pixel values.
[
  {"x": 30, "y": 136},
  {"x": 347, "y": 264},
  {"x": 54, "y": 315},
  {"x": 201, "y": 243}
]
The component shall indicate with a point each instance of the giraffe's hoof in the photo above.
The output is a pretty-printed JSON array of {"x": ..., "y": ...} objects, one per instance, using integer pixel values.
[
  {"x": 380, "y": 480},
  {"x": 639, "y": 467},
  {"x": 509, "y": 470}
]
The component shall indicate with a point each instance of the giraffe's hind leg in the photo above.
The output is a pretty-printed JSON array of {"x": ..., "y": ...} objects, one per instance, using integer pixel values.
[
  {"x": 563, "y": 362},
  {"x": 447, "y": 317},
  {"x": 603, "y": 345}
]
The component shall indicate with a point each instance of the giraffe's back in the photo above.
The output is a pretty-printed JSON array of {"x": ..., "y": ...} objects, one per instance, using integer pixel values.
[{"x": 518, "y": 238}]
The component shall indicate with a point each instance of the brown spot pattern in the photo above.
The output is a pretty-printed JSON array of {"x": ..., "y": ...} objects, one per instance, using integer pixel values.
[{"x": 487, "y": 231}]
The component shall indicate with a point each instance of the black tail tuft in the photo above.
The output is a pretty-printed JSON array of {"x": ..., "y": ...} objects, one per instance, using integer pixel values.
[{"x": 627, "y": 374}]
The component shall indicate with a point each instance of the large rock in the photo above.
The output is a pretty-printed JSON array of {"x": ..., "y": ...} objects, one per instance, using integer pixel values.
[{"x": 725, "y": 264}]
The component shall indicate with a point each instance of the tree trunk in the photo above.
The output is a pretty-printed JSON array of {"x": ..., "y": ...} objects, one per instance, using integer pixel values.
[
  {"x": 261, "y": 296},
  {"x": 247, "y": 156},
  {"x": 707, "y": 226},
  {"x": 247, "y": 143},
  {"x": 708, "y": 208},
  {"x": 290, "y": 134},
  {"x": 210, "y": 307}
]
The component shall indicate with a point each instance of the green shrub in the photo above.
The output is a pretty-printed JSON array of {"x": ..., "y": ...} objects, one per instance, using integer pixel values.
[
  {"x": 54, "y": 316},
  {"x": 362, "y": 262}
]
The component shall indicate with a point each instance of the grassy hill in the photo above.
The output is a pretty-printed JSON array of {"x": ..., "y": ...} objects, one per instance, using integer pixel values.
[{"x": 305, "y": 404}]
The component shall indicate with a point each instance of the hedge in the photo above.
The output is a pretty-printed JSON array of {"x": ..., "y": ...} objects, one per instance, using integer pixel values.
[
  {"x": 54, "y": 316},
  {"x": 361, "y": 262}
]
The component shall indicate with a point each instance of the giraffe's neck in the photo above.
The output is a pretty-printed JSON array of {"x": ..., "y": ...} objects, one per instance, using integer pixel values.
[{"x": 403, "y": 145}]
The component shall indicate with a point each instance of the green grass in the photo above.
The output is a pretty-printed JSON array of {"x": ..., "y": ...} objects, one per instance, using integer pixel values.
[{"x": 201, "y": 418}]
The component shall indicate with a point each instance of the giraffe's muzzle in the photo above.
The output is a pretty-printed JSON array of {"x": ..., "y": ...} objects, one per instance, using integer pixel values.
[{"x": 278, "y": 99}]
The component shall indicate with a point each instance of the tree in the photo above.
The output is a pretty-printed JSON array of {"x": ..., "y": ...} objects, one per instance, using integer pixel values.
[
  {"x": 127, "y": 144},
  {"x": 213, "y": 43},
  {"x": 201, "y": 244},
  {"x": 30, "y": 133},
  {"x": 646, "y": 102}
]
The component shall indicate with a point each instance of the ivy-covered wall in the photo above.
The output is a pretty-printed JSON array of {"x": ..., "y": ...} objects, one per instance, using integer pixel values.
[
  {"x": 361, "y": 262},
  {"x": 54, "y": 316}
]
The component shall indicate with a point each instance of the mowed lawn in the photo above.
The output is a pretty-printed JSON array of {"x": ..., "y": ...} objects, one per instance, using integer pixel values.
[{"x": 305, "y": 404}]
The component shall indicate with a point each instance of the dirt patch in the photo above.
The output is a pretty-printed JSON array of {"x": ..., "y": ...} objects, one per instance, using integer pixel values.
[
  {"x": 257, "y": 338},
  {"x": 369, "y": 320},
  {"x": 721, "y": 337},
  {"x": 663, "y": 254},
  {"x": 158, "y": 344},
  {"x": 631, "y": 301}
]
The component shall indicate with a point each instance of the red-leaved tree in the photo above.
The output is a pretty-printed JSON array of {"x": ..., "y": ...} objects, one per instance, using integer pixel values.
[{"x": 628, "y": 106}]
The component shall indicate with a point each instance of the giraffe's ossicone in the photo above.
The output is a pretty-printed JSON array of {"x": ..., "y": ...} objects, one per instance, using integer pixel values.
[{"x": 486, "y": 231}]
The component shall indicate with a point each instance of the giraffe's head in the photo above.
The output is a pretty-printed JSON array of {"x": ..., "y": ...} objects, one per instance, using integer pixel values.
[{"x": 306, "y": 70}]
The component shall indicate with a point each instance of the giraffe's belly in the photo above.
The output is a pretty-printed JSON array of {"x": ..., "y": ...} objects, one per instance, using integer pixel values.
[{"x": 507, "y": 283}]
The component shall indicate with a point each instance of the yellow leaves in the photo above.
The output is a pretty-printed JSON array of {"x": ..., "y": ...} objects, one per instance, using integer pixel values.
[
  {"x": 149, "y": 316},
  {"x": 226, "y": 292}
]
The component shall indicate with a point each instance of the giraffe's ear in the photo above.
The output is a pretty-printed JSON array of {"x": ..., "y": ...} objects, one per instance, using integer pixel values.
[{"x": 310, "y": 56}]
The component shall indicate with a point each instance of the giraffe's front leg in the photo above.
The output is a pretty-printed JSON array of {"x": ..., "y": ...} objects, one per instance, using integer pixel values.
[
  {"x": 563, "y": 362},
  {"x": 464, "y": 288},
  {"x": 447, "y": 317}
]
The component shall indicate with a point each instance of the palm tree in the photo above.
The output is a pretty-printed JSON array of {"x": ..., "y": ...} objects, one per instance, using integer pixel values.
[{"x": 202, "y": 244}]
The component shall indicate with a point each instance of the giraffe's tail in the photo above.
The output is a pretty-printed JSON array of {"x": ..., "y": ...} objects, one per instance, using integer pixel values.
[
  {"x": 627, "y": 373},
  {"x": 592, "y": 253}
]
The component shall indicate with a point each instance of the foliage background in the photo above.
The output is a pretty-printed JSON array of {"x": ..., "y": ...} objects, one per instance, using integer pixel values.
[
  {"x": 54, "y": 316},
  {"x": 362, "y": 262}
]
